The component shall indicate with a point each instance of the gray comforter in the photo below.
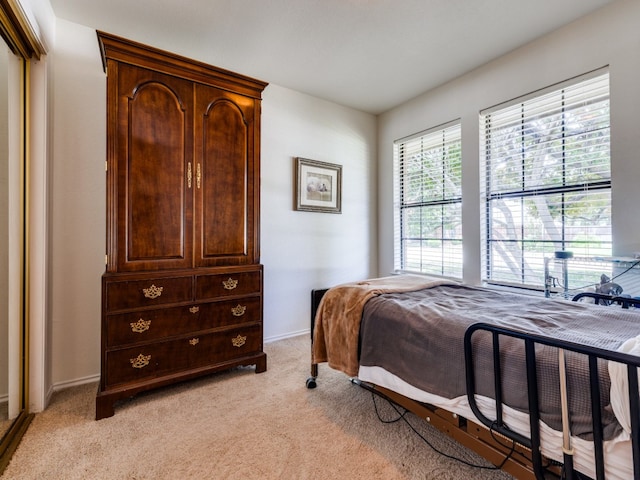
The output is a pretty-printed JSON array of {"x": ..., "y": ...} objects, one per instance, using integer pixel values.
[{"x": 418, "y": 336}]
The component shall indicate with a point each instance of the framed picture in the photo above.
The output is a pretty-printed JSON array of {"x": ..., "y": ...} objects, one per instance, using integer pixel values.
[{"x": 318, "y": 186}]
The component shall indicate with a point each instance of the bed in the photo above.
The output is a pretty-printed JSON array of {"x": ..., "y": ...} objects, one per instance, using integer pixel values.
[{"x": 465, "y": 357}]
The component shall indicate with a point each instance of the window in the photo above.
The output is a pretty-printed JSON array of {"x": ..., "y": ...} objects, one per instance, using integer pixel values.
[
  {"x": 547, "y": 184},
  {"x": 428, "y": 201}
]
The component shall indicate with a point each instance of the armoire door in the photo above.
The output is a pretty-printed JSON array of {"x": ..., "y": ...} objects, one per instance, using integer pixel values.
[
  {"x": 226, "y": 195},
  {"x": 155, "y": 173}
]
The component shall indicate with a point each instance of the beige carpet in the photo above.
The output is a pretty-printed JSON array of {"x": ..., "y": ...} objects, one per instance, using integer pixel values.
[{"x": 237, "y": 425}]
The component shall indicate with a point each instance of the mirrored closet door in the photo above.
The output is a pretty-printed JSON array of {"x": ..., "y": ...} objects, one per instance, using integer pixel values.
[{"x": 5, "y": 380}]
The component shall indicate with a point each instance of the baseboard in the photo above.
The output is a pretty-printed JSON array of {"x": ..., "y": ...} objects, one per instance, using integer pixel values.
[
  {"x": 275, "y": 338},
  {"x": 74, "y": 383}
]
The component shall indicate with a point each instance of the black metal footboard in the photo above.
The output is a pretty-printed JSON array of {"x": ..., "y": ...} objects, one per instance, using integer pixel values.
[{"x": 591, "y": 354}]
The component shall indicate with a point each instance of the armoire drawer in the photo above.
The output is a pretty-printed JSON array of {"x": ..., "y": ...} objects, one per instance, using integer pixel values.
[
  {"x": 227, "y": 284},
  {"x": 222, "y": 346},
  {"x": 145, "y": 325},
  {"x": 162, "y": 358},
  {"x": 143, "y": 363},
  {"x": 230, "y": 312},
  {"x": 123, "y": 294}
]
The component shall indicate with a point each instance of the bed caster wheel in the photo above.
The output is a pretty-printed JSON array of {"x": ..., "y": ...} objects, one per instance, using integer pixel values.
[{"x": 311, "y": 382}]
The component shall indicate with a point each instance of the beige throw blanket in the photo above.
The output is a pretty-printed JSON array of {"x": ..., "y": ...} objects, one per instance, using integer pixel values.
[{"x": 337, "y": 322}]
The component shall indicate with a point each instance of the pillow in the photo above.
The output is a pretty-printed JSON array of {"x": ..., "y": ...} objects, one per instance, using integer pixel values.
[{"x": 620, "y": 385}]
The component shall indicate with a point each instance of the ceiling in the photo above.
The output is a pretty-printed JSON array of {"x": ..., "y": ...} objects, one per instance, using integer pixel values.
[{"x": 370, "y": 55}]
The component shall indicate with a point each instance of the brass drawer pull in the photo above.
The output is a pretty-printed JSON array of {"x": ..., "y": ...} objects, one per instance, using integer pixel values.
[
  {"x": 239, "y": 341},
  {"x": 140, "y": 361},
  {"x": 152, "y": 291},
  {"x": 238, "y": 310},
  {"x": 194, "y": 309},
  {"x": 194, "y": 341},
  {"x": 140, "y": 326},
  {"x": 230, "y": 284}
]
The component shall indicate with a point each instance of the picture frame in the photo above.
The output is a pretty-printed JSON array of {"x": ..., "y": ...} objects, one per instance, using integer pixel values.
[{"x": 318, "y": 186}]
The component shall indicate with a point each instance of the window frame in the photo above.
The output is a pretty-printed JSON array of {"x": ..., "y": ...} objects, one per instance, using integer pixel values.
[
  {"x": 489, "y": 195},
  {"x": 447, "y": 266}
]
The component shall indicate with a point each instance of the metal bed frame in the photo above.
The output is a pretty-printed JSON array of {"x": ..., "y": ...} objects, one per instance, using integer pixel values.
[
  {"x": 532, "y": 444},
  {"x": 593, "y": 355}
]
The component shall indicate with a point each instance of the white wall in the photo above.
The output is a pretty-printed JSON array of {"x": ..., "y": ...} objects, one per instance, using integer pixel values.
[
  {"x": 306, "y": 250},
  {"x": 300, "y": 251},
  {"x": 77, "y": 203},
  {"x": 608, "y": 37}
]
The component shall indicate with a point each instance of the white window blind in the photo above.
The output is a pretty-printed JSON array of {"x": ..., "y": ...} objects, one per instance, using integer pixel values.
[
  {"x": 428, "y": 200},
  {"x": 547, "y": 179}
]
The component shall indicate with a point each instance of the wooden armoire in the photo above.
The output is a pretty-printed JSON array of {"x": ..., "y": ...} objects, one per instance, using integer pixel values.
[{"x": 182, "y": 294}]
